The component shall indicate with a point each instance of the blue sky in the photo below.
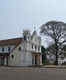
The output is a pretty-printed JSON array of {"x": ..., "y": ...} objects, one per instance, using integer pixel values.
[{"x": 16, "y": 15}]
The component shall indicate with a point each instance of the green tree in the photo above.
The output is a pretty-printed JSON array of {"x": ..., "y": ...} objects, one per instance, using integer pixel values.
[{"x": 55, "y": 30}]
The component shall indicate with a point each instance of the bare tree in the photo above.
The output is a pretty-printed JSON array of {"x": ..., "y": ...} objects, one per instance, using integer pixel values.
[{"x": 56, "y": 30}]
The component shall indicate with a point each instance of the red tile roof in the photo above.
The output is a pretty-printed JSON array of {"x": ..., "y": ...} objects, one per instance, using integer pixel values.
[{"x": 13, "y": 41}]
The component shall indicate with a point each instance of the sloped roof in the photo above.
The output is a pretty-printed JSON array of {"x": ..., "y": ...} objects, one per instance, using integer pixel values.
[{"x": 13, "y": 41}]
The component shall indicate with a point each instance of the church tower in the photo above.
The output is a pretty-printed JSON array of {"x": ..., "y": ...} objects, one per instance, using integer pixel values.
[{"x": 26, "y": 35}]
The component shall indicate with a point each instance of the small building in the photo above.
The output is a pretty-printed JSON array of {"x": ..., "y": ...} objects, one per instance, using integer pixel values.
[{"x": 23, "y": 51}]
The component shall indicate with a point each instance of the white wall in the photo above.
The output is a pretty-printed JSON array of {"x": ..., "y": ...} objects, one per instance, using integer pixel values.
[{"x": 21, "y": 58}]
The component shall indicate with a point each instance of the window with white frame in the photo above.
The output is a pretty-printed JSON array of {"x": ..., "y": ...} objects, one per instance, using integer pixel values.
[
  {"x": 2, "y": 49},
  {"x": 9, "y": 49},
  {"x": 32, "y": 46}
]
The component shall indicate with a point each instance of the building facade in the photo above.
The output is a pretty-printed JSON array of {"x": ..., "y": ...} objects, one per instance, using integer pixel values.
[{"x": 24, "y": 51}]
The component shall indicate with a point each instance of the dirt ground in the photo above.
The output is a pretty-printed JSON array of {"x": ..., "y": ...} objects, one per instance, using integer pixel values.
[{"x": 32, "y": 74}]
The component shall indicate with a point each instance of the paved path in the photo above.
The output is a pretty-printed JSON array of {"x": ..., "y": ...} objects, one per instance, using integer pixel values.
[{"x": 32, "y": 74}]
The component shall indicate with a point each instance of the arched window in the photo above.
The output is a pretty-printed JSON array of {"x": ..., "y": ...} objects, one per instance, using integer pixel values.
[
  {"x": 35, "y": 47},
  {"x": 32, "y": 46},
  {"x": 19, "y": 48},
  {"x": 12, "y": 56}
]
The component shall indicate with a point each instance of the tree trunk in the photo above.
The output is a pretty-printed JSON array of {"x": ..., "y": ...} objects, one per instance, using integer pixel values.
[{"x": 56, "y": 61}]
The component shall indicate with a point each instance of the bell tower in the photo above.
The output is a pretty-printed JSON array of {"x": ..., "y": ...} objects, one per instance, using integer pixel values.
[{"x": 26, "y": 35}]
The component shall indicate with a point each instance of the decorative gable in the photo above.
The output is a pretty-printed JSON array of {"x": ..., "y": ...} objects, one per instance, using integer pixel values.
[{"x": 35, "y": 38}]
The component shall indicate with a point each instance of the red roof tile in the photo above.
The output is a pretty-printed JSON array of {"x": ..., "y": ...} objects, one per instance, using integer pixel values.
[{"x": 13, "y": 41}]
